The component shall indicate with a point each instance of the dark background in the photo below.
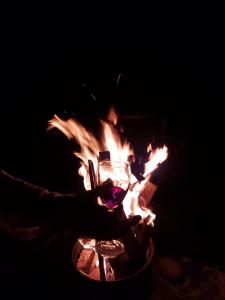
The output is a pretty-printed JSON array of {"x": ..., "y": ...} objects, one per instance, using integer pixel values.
[{"x": 169, "y": 91}]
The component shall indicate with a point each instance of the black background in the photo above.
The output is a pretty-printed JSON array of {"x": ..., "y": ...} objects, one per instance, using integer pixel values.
[{"x": 169, "y": 89}]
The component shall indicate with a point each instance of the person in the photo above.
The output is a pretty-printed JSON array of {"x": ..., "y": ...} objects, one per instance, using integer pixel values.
[
  {"x": 79, "y": 213},
  {"x": 23, "y": 233}
]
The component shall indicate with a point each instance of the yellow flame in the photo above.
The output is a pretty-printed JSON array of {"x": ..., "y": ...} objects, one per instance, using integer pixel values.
[
  {"x": 157, "y": 156},
  {"x": 120, "y": 150},
  {"x": 112, "y": 116},
  {"x": 89, "y": 146},
  {"x": 134, "y": 204}
]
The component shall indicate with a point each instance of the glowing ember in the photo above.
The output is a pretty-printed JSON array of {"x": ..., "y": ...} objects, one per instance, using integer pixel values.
[{"x": 120, "y": 150}]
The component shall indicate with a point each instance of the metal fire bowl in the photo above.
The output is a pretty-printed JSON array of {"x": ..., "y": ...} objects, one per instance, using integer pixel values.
[{"x": 85, "y": 262}]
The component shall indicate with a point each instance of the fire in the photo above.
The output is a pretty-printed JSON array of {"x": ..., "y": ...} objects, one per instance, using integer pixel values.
[
  {"x": 156, "y": 157},
  {"x": 120, "y": 150},
  {"x": 90, "y": 147}
]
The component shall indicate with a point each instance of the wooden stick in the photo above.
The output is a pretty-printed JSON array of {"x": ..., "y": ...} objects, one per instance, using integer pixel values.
[{"x": 92, "y": 174}]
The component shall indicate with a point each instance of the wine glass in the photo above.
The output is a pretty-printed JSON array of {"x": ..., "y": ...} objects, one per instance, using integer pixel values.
[{"x": 119, "y": 174}]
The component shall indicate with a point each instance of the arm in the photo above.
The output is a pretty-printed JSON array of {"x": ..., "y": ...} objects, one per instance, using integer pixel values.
[
  {"x": 15, "y": 192},
  {"x": 79, "y": 213},
  {"x": 17, "y": 195}
]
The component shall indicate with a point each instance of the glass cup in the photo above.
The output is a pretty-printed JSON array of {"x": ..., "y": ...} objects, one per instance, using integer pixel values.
[{"x": 119, "y": 174}]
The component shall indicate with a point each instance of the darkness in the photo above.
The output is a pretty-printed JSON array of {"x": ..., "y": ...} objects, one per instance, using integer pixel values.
[{"x": 167, "y": 92}]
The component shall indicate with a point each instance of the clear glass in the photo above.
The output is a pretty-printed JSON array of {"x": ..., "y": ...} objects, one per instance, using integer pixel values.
[{"x": 119, "y": 173}]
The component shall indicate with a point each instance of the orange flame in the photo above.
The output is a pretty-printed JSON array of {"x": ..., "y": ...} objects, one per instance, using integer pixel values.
[
  {"x": 120, "y": 150},
  {"x": 157, "y": 156}
]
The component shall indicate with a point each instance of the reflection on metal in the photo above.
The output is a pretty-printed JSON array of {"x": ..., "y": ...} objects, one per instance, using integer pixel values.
[{"x": 117, "y": 268}]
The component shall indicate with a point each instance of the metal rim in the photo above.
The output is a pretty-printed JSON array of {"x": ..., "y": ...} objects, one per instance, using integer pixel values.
[{"x": 150, "y": 254}]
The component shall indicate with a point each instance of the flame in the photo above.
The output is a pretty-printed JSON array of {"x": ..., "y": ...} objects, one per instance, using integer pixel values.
[
  {"x": 112, "y": 116},
  {"x": 120, "y": 151},
  {"x": 137, "y": 201},
  {"x": 134, "y": 204},
  {"x": 89, "y": 146},
  {"x": 156, "y": 157}
]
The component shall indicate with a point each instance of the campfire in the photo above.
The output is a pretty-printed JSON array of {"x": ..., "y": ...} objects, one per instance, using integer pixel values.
[{"x": 111, "y": 157}]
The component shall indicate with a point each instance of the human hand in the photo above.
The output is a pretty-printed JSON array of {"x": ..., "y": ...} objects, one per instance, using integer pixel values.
[
  {"x": 82, "y": 215},
  {"x": 90, "y": 220},
  {"x": 104, "y": 225}
]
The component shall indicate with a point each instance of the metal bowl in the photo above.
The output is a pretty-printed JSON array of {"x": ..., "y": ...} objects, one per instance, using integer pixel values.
[{"x": 86, "y": 262}]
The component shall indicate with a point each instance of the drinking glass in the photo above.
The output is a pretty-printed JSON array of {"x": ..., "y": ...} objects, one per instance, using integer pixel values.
[{"x": 119, "y": 174}]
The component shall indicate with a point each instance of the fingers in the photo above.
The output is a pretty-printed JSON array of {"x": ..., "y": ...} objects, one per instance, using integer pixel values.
[
  {"x": 105, "y": 189},
  {"x": 108, "y": 227},
  {"x": 89, "y": 220}
]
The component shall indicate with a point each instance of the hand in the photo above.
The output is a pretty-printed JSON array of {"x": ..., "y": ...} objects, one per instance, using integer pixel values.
[
  {"x": 105, "y": 226},
  {"x": 104, "y": 190},
  {"x": 82, "y": 215},
  {"x": 20, "y": 233},
  {"x": 88, "y": 219}
]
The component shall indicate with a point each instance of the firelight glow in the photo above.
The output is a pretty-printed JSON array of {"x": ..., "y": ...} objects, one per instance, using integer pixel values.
[{"x": 120, "y": 150}]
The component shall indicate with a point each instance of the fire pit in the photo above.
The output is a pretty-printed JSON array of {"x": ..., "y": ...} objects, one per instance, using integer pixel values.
[
  {"x": 111, "y": 158},
  {"x": 86, "y": 260}
]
